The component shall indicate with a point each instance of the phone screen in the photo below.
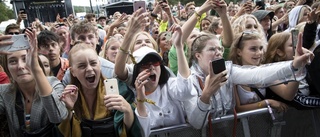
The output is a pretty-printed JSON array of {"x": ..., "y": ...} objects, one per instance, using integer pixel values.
[
  {"x": 218, "y": 66},
  {"x": 294, "y": 35},
  {"x": 139, "y": 4}
]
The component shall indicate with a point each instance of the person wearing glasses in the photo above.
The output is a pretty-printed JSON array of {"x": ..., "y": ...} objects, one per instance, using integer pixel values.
[
  {"x": 215, "y": 91},
  {"x": 158, "y": 94},
  {"x": 12, "y": 29}
]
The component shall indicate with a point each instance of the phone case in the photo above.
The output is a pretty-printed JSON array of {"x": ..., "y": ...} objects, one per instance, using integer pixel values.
[
  {"x": 139, "y": 4},
  {"x": 20, "y": 42},
  {"x": 218, "y": 66},
  {"x": 294, "y": 35},
  {"x": 111, "y": 86}
]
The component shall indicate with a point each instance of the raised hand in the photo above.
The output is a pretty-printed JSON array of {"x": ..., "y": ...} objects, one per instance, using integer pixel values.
[
  {"x": 302, "y": 56},
  {"x": 137, "y": 22},
  {"x": 69, "y": 96},
  {"x": 32, "y": 53},
  {"x": 5, "y": 43},
  {"x": 120, "y": 20},
  {"x": 220, "y": 7},
  {"x": 176, "y": 39}
]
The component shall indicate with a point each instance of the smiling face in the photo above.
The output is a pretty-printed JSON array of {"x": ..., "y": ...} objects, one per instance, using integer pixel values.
[
  {"x": 16, "y": 63},
  {"x": 142, "y": 40},
  {"x": 251, "y": 53},
  {"x": 85, "y": 66}
]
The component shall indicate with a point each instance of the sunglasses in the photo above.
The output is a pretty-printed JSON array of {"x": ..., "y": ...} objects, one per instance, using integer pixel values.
[
  {"x": 13, "y": 33},
  {"x": 247, "y": 32},
  {"x": 147, "y": 65}
]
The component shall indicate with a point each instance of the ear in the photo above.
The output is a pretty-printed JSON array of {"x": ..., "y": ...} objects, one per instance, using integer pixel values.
[
  {"x": 198, "y": 56},
  {"x": 72, "y": 71},
  {"x": 279, "y": 52},
  {"x": 239, "y": 52}
]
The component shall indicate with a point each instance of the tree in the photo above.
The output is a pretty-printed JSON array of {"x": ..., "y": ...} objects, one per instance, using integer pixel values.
[{"x": 6, "y": 12}]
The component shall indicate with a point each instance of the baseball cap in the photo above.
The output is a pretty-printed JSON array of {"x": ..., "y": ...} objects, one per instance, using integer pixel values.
[{"x": 146, "y": 54}]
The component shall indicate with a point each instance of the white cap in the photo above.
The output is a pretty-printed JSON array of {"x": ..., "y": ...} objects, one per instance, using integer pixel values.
[{"x": 143, "y": 52}]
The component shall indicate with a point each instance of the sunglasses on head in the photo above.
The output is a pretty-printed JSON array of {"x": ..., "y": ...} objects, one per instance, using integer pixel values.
[
  {"x": 13, "y": 33},
  {"x": 247, "y": 32},
  {"x": 147, "y": 65}
]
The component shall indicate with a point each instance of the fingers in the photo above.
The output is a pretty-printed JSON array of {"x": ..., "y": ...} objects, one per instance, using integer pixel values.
[
  {"x": 4, "y": 40},
  {"x": 299, "y": 51}
]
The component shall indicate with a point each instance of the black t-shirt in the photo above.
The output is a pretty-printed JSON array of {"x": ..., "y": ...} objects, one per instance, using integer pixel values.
[{"x": 56, "y": 69}]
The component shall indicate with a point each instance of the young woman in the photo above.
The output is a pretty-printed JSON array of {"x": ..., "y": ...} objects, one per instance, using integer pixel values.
[
  {"x": 46, "y": 65},
  {"x": 164, "y": 43},
  {"x": 110, "y": 49},
  {"x": 215, "y": 90},
  {"x": 248, "y": 50},
  {"x": 30, "y": 102},
  {"x": 159, "y": 96},
  {"x": 93, "y": 112},
  {"x": 280, "y": 48}
]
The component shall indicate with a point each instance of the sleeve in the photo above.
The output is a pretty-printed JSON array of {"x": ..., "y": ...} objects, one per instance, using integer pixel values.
[
  {"x": 163, "y": 26},
  {"x": 66, "y": 78},
  {"x": 145, "y": 123},
  {"x": 173, "y": 60},
  {"x": 197, "y": 112},
  {"x": 127, "y": 94},
  {"x": 265, "y": 75},
  {"x": 56, "y": 109},
  {"x": 309, "y": 35},
  {"x": 182, "y": 88}
]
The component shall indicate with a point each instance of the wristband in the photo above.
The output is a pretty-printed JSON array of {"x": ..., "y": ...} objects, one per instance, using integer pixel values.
[{"x": 146, "y": 100}]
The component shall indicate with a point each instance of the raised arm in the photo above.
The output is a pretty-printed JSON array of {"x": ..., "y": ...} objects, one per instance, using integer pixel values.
[
  {"x": 136, "y": 22},
  {"x": 221, "y": 8},
  {"x": 192, "y": 21}
]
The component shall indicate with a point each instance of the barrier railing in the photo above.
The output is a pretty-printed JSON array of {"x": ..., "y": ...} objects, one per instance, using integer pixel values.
[{"x": 254, "y": 123}]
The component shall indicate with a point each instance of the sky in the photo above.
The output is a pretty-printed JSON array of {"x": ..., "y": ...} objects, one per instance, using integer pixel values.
[{"x": 74, "y": 2}]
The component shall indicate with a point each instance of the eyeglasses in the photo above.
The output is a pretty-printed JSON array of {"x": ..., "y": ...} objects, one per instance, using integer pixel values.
[
  {"x": 147, "y": 65},
  {"x": 59, "y": 25},
  {"x": 13, "y": 33},
  {"x": 246, "y": 32}
]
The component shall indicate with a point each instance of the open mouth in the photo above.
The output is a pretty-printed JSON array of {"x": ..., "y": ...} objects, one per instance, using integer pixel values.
[
  {"x": 152, "y": 77},
  {"x": 91, "y": 79},
  {"x": 156, "y": 32}
]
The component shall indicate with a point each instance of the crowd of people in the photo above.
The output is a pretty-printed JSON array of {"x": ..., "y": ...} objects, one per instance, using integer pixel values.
[{"x": 162, "y": 60}]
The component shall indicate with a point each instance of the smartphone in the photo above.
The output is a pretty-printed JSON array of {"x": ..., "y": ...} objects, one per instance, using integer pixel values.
[
  {"x": 218, "y": 66},
  {"x": 261, "y": 4},
  {"x": 111, "y": 86},
  {"x": 294, "y": 35},
  {"x": 20, "y": 42},
  {"x": 22, "y": 11},
  {"x": 139, "y": 4}
]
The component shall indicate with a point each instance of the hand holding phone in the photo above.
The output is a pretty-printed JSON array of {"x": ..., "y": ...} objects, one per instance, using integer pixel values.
[
  {"x": 20, "y": 42},
  {"x": 111, "y": 86}
]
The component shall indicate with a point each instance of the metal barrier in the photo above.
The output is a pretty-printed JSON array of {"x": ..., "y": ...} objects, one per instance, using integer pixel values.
[{"x": 256, "y": 123}]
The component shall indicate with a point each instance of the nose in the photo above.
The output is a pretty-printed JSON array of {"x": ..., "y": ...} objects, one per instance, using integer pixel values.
[
  {"x": 21, "y": 64},
  {"x": 87, "y": 40}
]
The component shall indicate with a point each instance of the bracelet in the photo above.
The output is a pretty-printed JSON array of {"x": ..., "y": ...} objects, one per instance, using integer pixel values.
[
  {"x": 146, "y": 100},
  {"x": 198, "y": 15},
  {"x": 259, "y": 104},
  {"x": 270, "y": 109},
  {"x": 124, "y": 51}
]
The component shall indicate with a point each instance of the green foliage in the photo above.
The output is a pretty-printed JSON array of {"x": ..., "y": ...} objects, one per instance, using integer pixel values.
[{"x": 5, "y": 12}]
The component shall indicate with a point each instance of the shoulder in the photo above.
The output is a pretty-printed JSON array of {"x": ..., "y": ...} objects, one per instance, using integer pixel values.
[
  {"x": 5, "y": 88},
  {"x": 53, "y": 80}
]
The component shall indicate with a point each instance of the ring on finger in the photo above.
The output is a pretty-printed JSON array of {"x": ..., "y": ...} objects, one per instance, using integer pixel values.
[{"x": 139, "y": 81}]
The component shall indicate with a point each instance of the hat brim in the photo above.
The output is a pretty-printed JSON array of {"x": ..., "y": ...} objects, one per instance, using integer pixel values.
[{"x": 150, "y": 57}]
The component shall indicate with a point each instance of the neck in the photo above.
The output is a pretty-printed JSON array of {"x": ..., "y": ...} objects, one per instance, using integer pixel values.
[
  {"x": 54, "y": 63},
  {"x": 28, "y": 89},
  {"x": 89, "y": 92}
]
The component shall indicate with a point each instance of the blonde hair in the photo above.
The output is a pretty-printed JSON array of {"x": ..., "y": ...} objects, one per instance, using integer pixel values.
[
  {"x": 134, "y": 38},
  {"x": 107, "y": 45},
  {"x": 239, "y": 25}
]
